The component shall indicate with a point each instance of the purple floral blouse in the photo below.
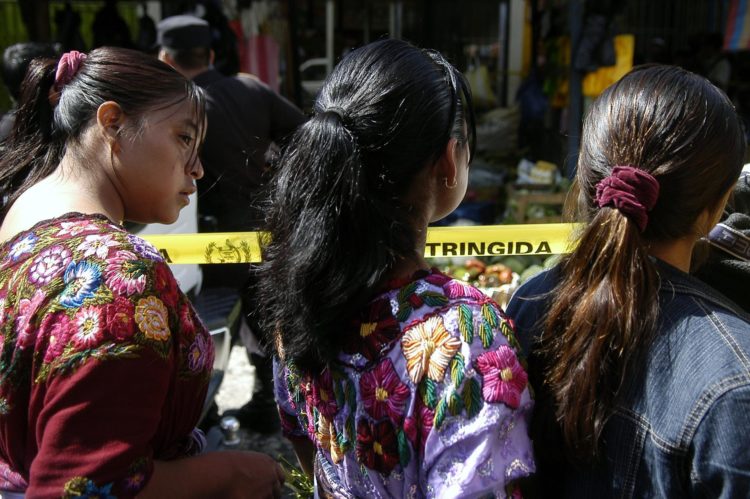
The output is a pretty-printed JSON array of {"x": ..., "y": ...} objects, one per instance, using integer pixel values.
[
  {"x": 427, "y": 399},
  {"x": 103, "y": 362}
]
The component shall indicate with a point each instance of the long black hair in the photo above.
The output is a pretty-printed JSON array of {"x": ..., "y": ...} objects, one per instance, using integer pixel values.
[
  {"x": 48, "y": 120},
  {"x": 683, "y": 131},
  {"x": 337, "y": 217}
]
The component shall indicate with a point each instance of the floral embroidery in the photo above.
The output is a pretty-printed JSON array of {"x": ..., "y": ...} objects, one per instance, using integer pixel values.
[
  {"x": 49, "y": 264},
  {"x": 503, "y": 378},
  {"x": 457, "y": 289},
  {"x": 383, "y": 393},
  {"x": 418, "y": 426},
  {"x": 126, "y": 273},
  {"x": 144, "y": 248},
  {"x": 198, "y": 353},
  {"x": 428, "y": 348},
  {"x": 377, "y": 445},
  {"x": 136, "y": 478},
  {"x": 321, "y": 394},
  {"x": 27, "y": 309},
  {"x": 76, "y": 228},
  {"x": 119, "y": 318},
  {"x": 82, "y": 487},
  {"x": 97, "y": 244},
  {"x": 327, "y": 439},
  {"x": 376, "y": 331},
  {"x": 165, "y": 285},
  {"x": 22, "y": 246},
  {"x": 81, "y": 281},
  {"x": 151, "y": 317},
  {"x": 88, "y": 327},
  {"x": 58, "y": 333}
]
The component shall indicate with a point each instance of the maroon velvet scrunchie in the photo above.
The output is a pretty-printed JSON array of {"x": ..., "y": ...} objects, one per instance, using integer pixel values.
[
  {"x": 631, "y": 190},
  {"x": 69, "y": 64}
]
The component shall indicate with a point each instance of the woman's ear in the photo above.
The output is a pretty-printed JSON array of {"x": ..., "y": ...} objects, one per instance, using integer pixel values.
[
  {"x": 447, "y": 165},
  {"x": 110, "y": 118}
]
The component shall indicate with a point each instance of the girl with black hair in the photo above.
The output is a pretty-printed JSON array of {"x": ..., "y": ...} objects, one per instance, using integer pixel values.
[
  {"x": 104, "y": 364},
  {"x": 642, "y": 371},
  {"x": 393, "y": 380}
]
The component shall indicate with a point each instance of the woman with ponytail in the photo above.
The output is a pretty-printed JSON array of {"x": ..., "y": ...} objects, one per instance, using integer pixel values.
[
  {"x": 393, "y": 380},
  {"x": 642, "y": 370},
  {"x": 104, "y": 364}
]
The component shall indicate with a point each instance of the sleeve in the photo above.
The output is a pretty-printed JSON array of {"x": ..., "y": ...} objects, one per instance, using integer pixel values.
[
  {"x": 720, "y": 464},
  {"x": 479, "y": 443},
  {"x": 290, "y": 426},
  {"x": 95, "y": 430}
]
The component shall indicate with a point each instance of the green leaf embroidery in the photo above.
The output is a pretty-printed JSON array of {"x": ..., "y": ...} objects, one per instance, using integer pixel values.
[
  {"x": 406, "y": 291},
  {"x": 485, "y": 333},
  {"x": 404, "y": 309},
  {"x": 455, "y": 404},
  {"x": 338, "y": 391},
  {"x": 404, "y": 454},
  {"x": 488, "y": 313},
  {"x": 472, "y": 396},
  {"x": 509, "y": 335},
  {"x": 434, "y": 299},
  {"x": 466, "y": 323},
  {"x": 457, "y": 369},
  {"x": 428, "y": 392},
  {"x": 350, "y": 432},
  {"x": 440, "y": 413}
]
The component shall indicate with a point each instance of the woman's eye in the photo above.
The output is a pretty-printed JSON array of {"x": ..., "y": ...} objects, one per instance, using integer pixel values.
[{"x": 187, "y": 139}]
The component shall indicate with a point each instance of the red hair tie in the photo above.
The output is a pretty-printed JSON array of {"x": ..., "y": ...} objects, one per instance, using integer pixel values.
[
  {"x": 69, "y": 64},
  {"x": 630, "y": 190}
]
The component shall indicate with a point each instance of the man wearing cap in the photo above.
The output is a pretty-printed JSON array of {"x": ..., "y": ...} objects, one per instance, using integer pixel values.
[{"x": 245, "y": 117}]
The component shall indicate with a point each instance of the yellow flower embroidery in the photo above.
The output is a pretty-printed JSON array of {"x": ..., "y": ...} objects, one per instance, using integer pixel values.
[
  {"x": 151, "y": 317},
  {"x": 428, "y": 348},
  {"x": 326, "y": 435}
]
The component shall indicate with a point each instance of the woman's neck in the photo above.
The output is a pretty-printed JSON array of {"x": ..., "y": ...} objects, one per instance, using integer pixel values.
[{"x": 677, "y": 253}]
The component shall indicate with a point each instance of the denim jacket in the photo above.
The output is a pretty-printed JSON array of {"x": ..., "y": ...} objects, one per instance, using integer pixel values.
[{"x": 681, "y": 426}]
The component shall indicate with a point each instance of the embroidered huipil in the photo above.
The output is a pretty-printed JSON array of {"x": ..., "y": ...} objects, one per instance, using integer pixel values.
[
  {"x": 427, "y": 398},
  {"x": 103, "y": 361}
]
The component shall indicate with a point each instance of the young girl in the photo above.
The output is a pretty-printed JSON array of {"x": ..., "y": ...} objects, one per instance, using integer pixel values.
[
  {"x": 393, "y": 379},
  {"x": 103, "y": 362},
  {"x": 643, "y": 371}
]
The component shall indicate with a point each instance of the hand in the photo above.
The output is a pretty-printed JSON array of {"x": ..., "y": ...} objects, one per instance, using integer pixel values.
[{"x": 254, "y": 475}]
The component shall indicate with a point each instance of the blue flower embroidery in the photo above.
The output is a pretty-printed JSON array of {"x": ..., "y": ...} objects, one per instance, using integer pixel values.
[
  {"x": 94, "y": 492},
  {"x": 81, "y": 281},
  {"x": 23, "y": 246}
]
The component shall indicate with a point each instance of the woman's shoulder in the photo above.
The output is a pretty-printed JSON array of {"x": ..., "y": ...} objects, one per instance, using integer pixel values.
[{"x": 81, "y": 287}]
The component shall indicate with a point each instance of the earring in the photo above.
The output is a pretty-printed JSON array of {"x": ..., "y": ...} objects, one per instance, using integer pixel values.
[{"x": 451, "y": 186}]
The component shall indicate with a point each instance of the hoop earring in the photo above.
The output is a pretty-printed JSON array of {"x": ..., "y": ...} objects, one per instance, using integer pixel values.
[{"x": 451, "y": 186}]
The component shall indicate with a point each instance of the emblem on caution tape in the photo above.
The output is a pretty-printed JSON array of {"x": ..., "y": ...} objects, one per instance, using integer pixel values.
[
  {"x": 730, "y": 240},
  {"x": 228, "y": 252}
]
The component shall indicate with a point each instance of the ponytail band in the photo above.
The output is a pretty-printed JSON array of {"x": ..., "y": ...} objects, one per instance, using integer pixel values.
[
  {"x": 338, "y": 111},
  {"x": 631, "y": 191},
  {"x": 67, "y": 67}
]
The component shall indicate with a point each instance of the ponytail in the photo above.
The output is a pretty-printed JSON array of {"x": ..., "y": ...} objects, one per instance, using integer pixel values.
[
  {"x": 34, "y": 147},
  {"x": 604, "y": 313}
]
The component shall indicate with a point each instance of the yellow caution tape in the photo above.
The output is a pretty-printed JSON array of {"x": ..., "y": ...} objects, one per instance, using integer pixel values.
[{"x": 481, "y": 240}]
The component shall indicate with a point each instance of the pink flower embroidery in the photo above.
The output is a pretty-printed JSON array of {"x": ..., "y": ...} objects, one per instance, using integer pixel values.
[
  {"x": 383, "y": 393},
  {"x": 126, "y": 273},
  {"x": 457, "y": 289},
  {"x": 119, "y": 318},
  {"x": 377, "y": 445},
  {"x": 503, "y": 378},
  {"x": 27, "y": 309},
  {"x": 165, "y": 284},
  {"x": 98, "y": 245},
  {"x": 428, "y": 348},
  {"x": 437, "y": 278},
  {"x": 322, "y": 395},
  {"x": 57, "y": 327},
  {"x": 88, "y": 327},
  {"x": 376, "y": 330},
  {"x": 49, "y": 264},
  {"x": 418, "y": 426},
  {"x": 75, "y": 228}
]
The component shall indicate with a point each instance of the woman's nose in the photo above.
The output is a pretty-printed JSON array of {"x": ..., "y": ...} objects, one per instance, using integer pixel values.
[{"x": 196, "y": 168}]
